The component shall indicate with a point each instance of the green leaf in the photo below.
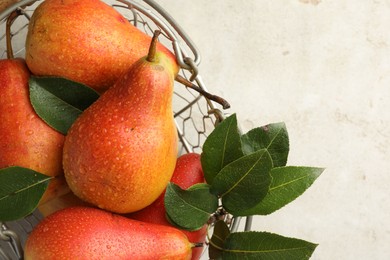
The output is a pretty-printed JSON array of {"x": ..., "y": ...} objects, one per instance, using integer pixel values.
[
  {"x": 189, "y": 209},
  {"x": 60, "y": 101},
  {"x": 220, "y": 233},
  {"x": 243, "y": 183},
  {"x": 20, "y": 192},
  {"x": 198, "y": 186},
  {"x": 221, "y": 147},
  {"x": 273, "y": 137},
  {"x": 264, "y": 245},
  {"x": 287, "y": 184}
]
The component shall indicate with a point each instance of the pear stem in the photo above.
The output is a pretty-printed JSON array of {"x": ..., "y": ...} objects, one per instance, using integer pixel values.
[
  {"x": 197, "y": 245},
  {"x": 212, "y": 97},
  {"x": 151, "y": 58},
  {"x": 153, "y": 47}
]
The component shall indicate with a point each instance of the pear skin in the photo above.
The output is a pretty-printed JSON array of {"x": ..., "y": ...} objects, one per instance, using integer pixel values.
[
  {"x": 188, "y": 171},
  {"x": 86, "y": 41},
  {"x": 90, "y": 233},
  {"x": 121, "y": 152},
  {"x": 26, "y": 140}
]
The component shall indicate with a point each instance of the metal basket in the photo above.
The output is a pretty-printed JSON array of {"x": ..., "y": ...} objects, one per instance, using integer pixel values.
[{"x": 195, "y": 115}]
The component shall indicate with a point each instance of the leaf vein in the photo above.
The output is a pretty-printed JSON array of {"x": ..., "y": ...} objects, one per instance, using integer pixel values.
[
  {"x": 287, "y": 183},
  {"x": 25, "y": 188},
  {"x": 192, "y": 206},
  {"x": 276, "y": 135},
  {"x": 243, "y": 177},
  {"x": 264, "y": 251},
  {"x": 225, "y": 145}
]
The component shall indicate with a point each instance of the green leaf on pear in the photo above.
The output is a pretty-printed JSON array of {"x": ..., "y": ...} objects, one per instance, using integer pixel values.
[
  {"x": 59, "y": 101},
  {"x": 264, "y": 245},
  {"x": 221, "y": 147},
  {"x": 21, "y": 189},
  {"x": 217, "y": 240},
  {"x": 287, "y": 184},
  {"x": 189, "y": 209},
  {"x": 273, "y": 137},
  {"x": 243, "y": 183}
]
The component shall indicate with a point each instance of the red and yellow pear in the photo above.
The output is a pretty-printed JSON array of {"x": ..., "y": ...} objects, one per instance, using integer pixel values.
[
  {"x": 87, "y": 41},
  {"x": 121, "y": 152},
  {"x": 90, "y": 233},
  {"x": 25, "y": 139}
]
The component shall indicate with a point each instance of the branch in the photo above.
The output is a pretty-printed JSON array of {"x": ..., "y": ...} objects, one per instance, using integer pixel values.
[{"x": 212, "y": 97}]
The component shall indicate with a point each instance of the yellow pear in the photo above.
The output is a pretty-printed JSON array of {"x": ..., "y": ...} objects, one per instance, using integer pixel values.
[
  {"x": 121, "y": 152},
  {"x": 84, "y": 40}
]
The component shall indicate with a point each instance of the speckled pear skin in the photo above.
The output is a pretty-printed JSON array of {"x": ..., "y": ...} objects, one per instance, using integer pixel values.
[
  {"x": 86, "y": 41},
  {"x": 89, "y": 233},
  {"x": 121, "y": 152},
  {"x": 25, "y": 139}
]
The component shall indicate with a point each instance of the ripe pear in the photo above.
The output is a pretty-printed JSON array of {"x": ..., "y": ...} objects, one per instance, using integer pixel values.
[
  {"x": 121, "y": 152},
  {"x": 25, "y": 139},
  {"x": 188, "y": 171},
  {"x": 84, "y": 40},
  {"x": 90, "y": 233}
]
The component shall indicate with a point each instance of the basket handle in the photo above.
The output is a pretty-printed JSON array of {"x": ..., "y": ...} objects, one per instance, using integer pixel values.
[{"x": 179, "y": 30}]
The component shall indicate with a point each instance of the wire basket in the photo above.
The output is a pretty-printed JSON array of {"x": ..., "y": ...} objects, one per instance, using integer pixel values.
[{"x": 195, "y": 115}]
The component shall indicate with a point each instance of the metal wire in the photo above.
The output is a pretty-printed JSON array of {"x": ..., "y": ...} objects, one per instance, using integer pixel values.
[{"x": 13, "y": 240}]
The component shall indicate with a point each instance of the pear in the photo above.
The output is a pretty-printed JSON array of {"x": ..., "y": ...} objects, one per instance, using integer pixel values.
[
  {"x": 90, "y": 233},
  {"x": 25, "y": 139},
  {"x": 121, "y": 152},
  {"x": 86, "y": 41},
  {"x": 188, "y": 171}
]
